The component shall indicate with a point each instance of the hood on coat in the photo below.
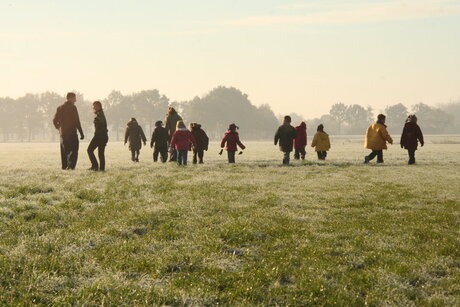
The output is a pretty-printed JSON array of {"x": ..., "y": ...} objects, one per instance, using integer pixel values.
[
  {"x": 132, "y": 124},
  {"x": 302, "y": 125},
  {"x": 196, "y": 127}
]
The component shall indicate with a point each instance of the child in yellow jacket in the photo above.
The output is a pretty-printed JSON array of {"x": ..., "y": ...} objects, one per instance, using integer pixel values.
[
  {"x": 321, "y": 143},
  {"x": 376, "y": 139}
]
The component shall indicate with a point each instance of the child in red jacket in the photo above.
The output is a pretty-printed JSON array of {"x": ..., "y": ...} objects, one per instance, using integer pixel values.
[
  {"x": 182, "y": 140},
  {"x": 233, "y": 141},
  {"x": 300, "y": 141}
]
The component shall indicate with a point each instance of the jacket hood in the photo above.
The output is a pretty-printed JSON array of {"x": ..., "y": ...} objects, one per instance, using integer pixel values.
[
  {"x": 196, "y": 127},
  {"x": 132, "y": 124},
  {"x": 302, "y": 125}
]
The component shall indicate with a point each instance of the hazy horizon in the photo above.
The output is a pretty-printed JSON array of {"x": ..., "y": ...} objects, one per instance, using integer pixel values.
[{"x": 296, "y": 56}]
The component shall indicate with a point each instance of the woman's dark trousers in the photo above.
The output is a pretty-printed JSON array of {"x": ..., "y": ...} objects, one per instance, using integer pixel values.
[
  {"x": 411, "y": 156},
  {"x": 100, "y": 144}
]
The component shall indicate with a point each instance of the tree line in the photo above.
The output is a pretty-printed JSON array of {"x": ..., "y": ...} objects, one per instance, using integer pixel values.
[{"x": 29, "y": 118}]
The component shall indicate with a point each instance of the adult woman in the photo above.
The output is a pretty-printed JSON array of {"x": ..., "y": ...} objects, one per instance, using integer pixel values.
[{"x": 99, "y": 139}]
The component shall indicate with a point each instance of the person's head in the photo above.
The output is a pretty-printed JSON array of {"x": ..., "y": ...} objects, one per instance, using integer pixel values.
[
  {"x": 180, "y": 125},
  {"x": 381, "y": 118},
  {"x": 303, "y": 125},
  {"x": 132, "y": 121},
  {"x": 97, "y": 106},
  {"x": 71, "y": 97},
  {"x": 158, "y": 123},
  {"x": 287, "y": 120},
  {"x": 171, "y": 111},
  {"x": 232, "y": 127},
  {"x": 412, "y": 118},
  {"x": 320, "y": 128}
]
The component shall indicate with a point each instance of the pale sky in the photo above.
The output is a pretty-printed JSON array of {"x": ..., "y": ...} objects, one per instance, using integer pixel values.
[{"x": 297, "y": 56}]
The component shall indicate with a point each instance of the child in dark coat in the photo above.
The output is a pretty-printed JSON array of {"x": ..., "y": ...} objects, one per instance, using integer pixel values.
[
  {"x": 202, "y": 142},
  {"x": 159, "y": 142},
  {"x": 300, "y": 141},
  {"x": 232, "y": 139},
  {"x": 135, "y": 135},
  {"x": 285, "y": 135},
  {"x": 182, "y": 140},
  {"x": 411, "y": 135}
]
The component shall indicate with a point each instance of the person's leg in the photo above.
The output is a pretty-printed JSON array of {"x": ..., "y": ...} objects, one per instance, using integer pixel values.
[
  {"x": 200, "y": 156},
  {"x": 72, "y": 154},
  {"x": 155, "y": 155},
  {"x": 319, "y": 154},
  {"x": 302, "y": 153},
  {"x": 101, "y": 155},
  {"x": 164, "y": 156},
  {"x": 133, "y": 155},
  {"x": 63, "y": 154},
  {"x": 231, "y": 156},
  {"x": 195, "y": 153},
  {"x": 370, "y": 156},
  {"x": 286, "y": 157},
  {"x": 173, "y": 155},
  {"x": 411, "y": 156},
  {"x": 184, "y": 157},
  {"x": 379, "y": 156},
  {"x": 138, "y": 152},
  {"x": 324, "y": 155},
  {"x": 90, "y": 150},
  {"x": 297, "y": 154}
]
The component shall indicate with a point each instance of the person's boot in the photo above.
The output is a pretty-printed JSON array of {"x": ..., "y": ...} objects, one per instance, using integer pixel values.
[{"x": 366, "y": 160}]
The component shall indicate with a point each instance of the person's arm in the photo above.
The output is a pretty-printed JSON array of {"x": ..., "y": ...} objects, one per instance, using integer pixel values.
[
  {"x": 315, "y": 140},
  {"x": 277, "y": 136},
  {"x": 126, "y": 134},
  {"x": 403, "y": 137},
  {"x": 239, "y": 142},
  {"x": 192, "y": 139},
  {"x": 77, "y": 121},
  {"x": 206, "y": 143},
  {"x": 144, "y": 139},
  {"x": 152, "y": 140},
  {"x": 56, "y": 119},
  {"x": 173, "y": 140},
  {"x": 224, "y": 140},
  {"x": 420, "y": 136},
  {"x": 328, "y": 142},
  {"x": 386, "y": 136}
]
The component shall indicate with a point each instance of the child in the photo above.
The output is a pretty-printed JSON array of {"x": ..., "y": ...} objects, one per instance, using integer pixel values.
[
  {"x": 99, "y": 140},
  {"x": 285, "y": 135},
  {"x": 376, "y": 138},
  {"x": 411, "y": 135},
  {"x": 300, "y": 141},
  {"x": 232, "y": 139},
  {"x": 202, "y": 142},
  {"x": 160, "y": 141},
  {"x": 321, "y": 143},
  {"x": 181, "y": 140},
  {"x": 134, "y": 134}
]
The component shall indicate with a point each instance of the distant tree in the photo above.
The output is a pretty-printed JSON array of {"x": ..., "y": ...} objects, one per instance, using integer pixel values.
[
  {"x": 396, "y": 116},
  {"x": 31, "y": 114},
  {"x": 433, "y": 120},
  {"x": 338, "y": 112},
  {"x": 453, "y": 109},
  {"x": 358, "y": 118}
]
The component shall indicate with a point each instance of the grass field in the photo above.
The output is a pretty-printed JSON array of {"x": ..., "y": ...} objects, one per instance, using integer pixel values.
[{"x": 256, "y": 233}]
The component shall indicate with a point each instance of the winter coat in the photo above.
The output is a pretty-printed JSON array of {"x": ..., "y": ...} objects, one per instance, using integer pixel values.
[
  {"x": 67, "y": 120},
  {"x": 135, "y": 135},
  {"x": 285, "y": 136},
  {"x": 377, "y": 136},
  {"x": 170, "y": 123},
  {"x": 100, "y": 127},
  {"x": 232, "y": 139},
  {"x": 300, "y": 140},
  {"x": 182, "y": 139},
  {"x": 160, "y": 139},
  {"x": 321, "y": 141},
  {"x": 202, "y": 140},
  {"x": 411, "y": 135}
]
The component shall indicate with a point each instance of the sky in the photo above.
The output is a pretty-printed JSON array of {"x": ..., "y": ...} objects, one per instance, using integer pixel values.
[{"x": 297, "y": 56}]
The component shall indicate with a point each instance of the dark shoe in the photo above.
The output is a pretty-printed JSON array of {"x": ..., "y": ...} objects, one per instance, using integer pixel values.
[
  {"x": 366, "y": 159},
  {"x": 94, "y": 169}
]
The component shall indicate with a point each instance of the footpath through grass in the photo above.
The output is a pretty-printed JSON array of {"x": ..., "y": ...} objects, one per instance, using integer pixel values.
[{"x": 257, "y": 233}]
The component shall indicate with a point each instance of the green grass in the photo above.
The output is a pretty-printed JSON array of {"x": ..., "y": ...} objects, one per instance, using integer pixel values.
[{"x": 257, "y": 233}]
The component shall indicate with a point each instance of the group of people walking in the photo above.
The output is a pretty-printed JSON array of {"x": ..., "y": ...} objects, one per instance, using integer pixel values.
[{"x": 174, "y": 138}]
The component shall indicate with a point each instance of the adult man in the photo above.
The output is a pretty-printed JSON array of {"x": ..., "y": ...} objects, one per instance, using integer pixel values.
[
  {"x": 170, "y": 124},
  {"x": 376, "y": 139},
  {"x": 67, "y": 122},
  {"x": 285, "y": 135}
]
